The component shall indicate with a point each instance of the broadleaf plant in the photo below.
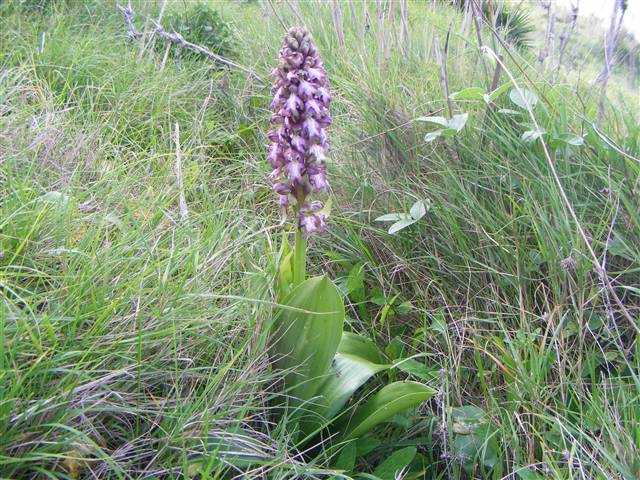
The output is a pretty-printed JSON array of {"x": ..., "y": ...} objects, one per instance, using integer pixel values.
[
  {"x": 479, "y": 93},
  {"x": 323, "y": 367},
  {"x": 450, "y": 127},
  {"x": 402, "y": 220}
]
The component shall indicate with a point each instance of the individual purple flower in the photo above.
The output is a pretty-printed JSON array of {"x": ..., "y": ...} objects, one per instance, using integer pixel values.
[
  {"x": 300, "y": 118},
  {"x": 312, "y": 218}
]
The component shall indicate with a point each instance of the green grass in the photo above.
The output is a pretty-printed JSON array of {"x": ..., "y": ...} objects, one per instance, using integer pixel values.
[{"x": 132, "y": 342}]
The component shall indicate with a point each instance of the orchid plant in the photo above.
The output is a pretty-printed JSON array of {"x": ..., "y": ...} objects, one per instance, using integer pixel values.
[{"x": 323, "y": 365}]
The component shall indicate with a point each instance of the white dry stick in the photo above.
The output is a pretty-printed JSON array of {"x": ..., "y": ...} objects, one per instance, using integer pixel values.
[
  {"x": 391, "y": 30},
  {"x": 179, "y": 41},
  {"x": 619, "y": 9},
  {"x": 568, "y": 31},
  {"x": 320, "y": 15},
  {"x": 476, "y": 15},
  {"x": 166, "y": 54},
  {"x": 338, "y": 24},
  {"x": 266, "y": 15},
  {"x": 547, "y": 50},
  {"x": 182, "y": 203},
  {"x": 143, "y": 42},
  {"x": 354, "y": 17},
  {"x": 296, "y": 11},
  {"x": 444, "y": 77},
  {"x": 404, "y": 16},
  {"x": 392, "y": 35},
  {"x": 427, "y": 44},
  {"x": 152, "y": 39},
  {"x": 366, "y": 25},
  {"x": 380, "y": 37}
]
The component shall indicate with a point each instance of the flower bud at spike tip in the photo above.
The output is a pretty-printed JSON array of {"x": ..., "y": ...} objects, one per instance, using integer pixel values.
[{"x": 300, "y": 116}]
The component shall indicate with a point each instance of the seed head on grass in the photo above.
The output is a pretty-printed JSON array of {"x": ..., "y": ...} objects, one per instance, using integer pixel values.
[{"x": 299, "y": 121}]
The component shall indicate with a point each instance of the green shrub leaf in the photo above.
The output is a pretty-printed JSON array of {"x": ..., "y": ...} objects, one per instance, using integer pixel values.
[
  {"x": 393, "y": 217},
  {"x": 472, "y": 93},
  {"x": 458, "y": 122},
  {"x": 396, "y": 227},
  {"x": 441, "y": 121},
  {"x": 524, "y": 100}
]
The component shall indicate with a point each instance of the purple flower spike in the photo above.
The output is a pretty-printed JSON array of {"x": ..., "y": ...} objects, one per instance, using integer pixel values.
[{"x": 300, "y": 118}]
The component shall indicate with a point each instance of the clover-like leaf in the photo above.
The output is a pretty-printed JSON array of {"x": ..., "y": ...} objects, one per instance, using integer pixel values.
[
  {"x": 419, "y": 209},
  {"x": 532, "y": 135},
  {"x": 396, "y": 227},
  {"x": 567, "y": 139},
  {"x": 393, "y": 217},
  {"x": 508, "y": 111},
  {"x": 431, "y": 136},
  {"x": 458, "y": 121},
  {"x": 525, "y": 100},
  {"x": 443, "y": 122}
]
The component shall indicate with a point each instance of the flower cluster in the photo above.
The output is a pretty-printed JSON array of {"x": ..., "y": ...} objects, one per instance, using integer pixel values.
[{"x": 300, "y": 117}]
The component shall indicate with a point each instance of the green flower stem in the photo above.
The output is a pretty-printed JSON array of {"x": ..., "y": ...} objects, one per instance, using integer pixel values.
[{"x": 299, "y": 259}]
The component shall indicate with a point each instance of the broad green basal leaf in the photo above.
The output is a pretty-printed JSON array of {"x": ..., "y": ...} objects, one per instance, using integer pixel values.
[
  {"x": 396, "y": 463},
  {"x": 306, "y": 335},
  {"x": 357, "y": 345},
  {"x": 55, "y": 197},
  {"x": 356, "y": 361},
  {"x": 388, "y": 402}
]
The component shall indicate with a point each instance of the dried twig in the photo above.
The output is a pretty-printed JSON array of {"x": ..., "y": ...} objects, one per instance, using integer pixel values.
[
  {"x": 178, "y": 40},
  {"x": 275, "y": 12},
  {"x": 338, "y": 23},
  {"x": 547, "y": 49},
  {"x": 565, "y": 36},
  {"x": 404, "y": 18},
  {"x": 380, "y": 36},
  {"x": 444, "y": 77},
  {"x": 296, "y": 12},
  {"x": 182, "y": 203},
  {"x": 617, "y": 15},
  {"x": 477, "y": 21},
  {"x": 354, "y": 17}
]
